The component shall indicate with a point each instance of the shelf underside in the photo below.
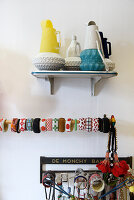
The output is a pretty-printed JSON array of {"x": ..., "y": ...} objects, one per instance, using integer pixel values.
[{"x": 74, "y": 74}]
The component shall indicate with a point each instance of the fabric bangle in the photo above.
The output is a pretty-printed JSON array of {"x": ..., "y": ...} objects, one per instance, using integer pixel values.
[
  {"x": 49, "y": 124},
  {"x": 68, "y": 125},
  {"x": 43, "y": 125},
  {"x": 55, "y": 124},
  {"x": 75, "y": 125},
  {"x": 89, "y": 124},
  {"x": 36, "y": 125},
  {"x": 5, "y": 125},
  {"x": 17, "y": 126},
  {"x": 22, "y": 124},
  {"x": 82, "y": 124},
  {"x": 95, "y": 124},
  {"x": 1, "y": 124},
  {"x": 14, "y": 124},
  {"x": 29, "y": 124},
  {"x": 61, "y": 124},
  {"x": 106, "y": 125},
  {"x": 100, "y": 125}
]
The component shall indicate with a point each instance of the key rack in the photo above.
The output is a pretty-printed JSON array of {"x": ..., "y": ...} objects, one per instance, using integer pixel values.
[
  {"x": 74, "y": 160},
  {"x": 94, "y": 76}
]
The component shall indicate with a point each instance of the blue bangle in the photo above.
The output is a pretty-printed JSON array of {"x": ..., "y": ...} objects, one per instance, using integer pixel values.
[{"x": 29, "y": 124}]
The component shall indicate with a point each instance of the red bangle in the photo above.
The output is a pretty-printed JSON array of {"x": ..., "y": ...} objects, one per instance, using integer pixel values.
[
  {"x": 49, "y": 124},
  {"x": 22, "y": 124},
  {"x": 43, "y": 124},
  {"x": 68, "y": 125},
  {"x": 1, "y": 124},
  {"x": 95, "y": 124},
  {"x": 82, "y": 124}
]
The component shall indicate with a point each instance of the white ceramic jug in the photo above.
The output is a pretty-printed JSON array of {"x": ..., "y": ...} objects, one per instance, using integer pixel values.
[
  {"x": 92, "y": 35},
  {"x": 74, "y": 48},
  {"x": 93, "y": 40}
]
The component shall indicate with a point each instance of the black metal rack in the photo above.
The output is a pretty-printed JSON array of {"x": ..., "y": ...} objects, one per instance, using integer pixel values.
[{"x": 74, "y": 161}]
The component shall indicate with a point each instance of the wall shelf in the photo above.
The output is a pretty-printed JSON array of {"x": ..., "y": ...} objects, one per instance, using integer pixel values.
[{"x": 94, "y": 76}]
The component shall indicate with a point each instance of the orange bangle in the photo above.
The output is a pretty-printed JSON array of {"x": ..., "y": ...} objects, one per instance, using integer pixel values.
[
  {"x": 14, "y": 125},
  {"x": 61, "y": 124}
]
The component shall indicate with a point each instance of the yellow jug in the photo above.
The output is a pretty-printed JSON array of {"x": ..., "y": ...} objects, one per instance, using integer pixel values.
[{"x": 49, "y": 38}]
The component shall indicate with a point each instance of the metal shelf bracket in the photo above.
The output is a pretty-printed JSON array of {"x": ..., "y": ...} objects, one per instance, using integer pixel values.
[
  {"x": 51, "y": 82},
  {"x": 94, "y": 82}
]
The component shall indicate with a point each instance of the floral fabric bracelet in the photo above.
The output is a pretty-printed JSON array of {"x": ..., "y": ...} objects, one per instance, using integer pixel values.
[
  {"x": 89, "y": 124},
  {"x": 2, "y": 124},
  {"x": 29, "y": 124},
  {"x": 14, "y": 125},
  {"x": 49, "y": 124},
  {"x": 95, "y": 124},
  {"x": 68, "y": 125},
  {"x": 82, "y": 124},
  {"x": 22, "y": 124},
  {"x": 43, "y": 125},
  {"x": 55, "y": 124}
]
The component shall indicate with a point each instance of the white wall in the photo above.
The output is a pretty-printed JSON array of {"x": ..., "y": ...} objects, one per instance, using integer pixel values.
[{"x": 22, "y": 95}]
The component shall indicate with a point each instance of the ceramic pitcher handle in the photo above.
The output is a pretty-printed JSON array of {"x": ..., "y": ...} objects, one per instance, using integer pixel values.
[
  {"x": 58, "y": 32},
  {"x": 101, "y": 56},
  {"x": 99, "y": 51},
  {"x": 109, "y": 53},
  {"x": 101, "y": 47}
]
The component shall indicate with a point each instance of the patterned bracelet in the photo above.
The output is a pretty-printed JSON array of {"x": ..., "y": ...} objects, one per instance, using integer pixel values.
[
  {"x": 95, "y": 124},
  {"x": 68, "y": 125},
  {"x": 29, "y": 124},
  {"x": 14, "y": 124},
  {"x": 82, "y": 124},
  {"x": 61, "y": 125},
  {"x": 49, "y": 124},
  {"x": 43, "y": 125},
  {"x": 22, "y": 124},
  {"x": 55, "y": 124},
  {"x": 89, "y": 124},
  {"x": 2, "y": 124},
  {"x": 5, "y": 125},
  {"x": 75, "y": 125}
]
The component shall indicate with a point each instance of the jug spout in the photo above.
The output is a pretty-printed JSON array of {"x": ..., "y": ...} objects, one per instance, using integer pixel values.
[{"x": 46, "y": 24}]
